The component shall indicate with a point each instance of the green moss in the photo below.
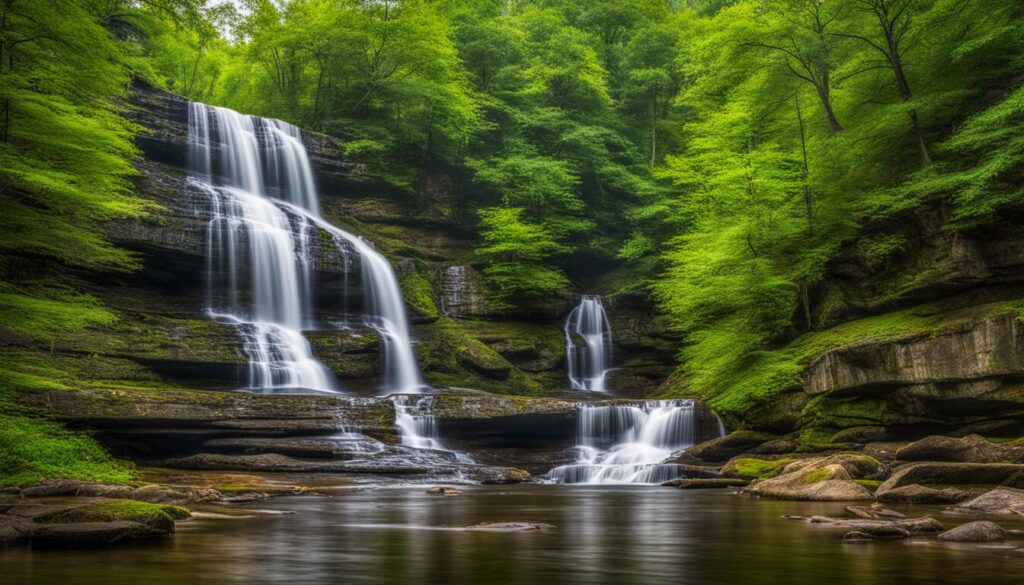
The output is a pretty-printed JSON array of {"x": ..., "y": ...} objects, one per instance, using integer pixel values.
[
  {"x": 418, "y": 295},
  {"x": 157, "y": 515},
  {"x": 33, "y": 450},
  {"x": 871, "y": 484},
  {"x": 755, "y": 469},
  {"x": 818, "y": 475}
]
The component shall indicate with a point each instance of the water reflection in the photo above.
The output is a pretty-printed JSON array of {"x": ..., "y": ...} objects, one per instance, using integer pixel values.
[{"x": 614, "y": 535}]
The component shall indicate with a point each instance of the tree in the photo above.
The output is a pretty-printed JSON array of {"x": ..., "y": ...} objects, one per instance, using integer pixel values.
[{"x": 515, "y": 253}]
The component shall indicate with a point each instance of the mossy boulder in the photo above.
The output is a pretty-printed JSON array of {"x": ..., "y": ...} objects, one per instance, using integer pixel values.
[
  {"x": 752, "y": 468},
  {"x": 157, "y": 516}
]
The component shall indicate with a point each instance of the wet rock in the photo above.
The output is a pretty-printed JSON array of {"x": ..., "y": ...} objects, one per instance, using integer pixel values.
[
  {"x": 1001, "y": 500},
  {"x": 14, "y": 530},
  {"x": 969, "y": 449},
  {"x": 875, "y": 512},
  {"x": 443, "y": 491},
  {"x": 497, "y": 475},
  {"x": 980, "y": 531},
  {"x": 919, "y": 494},
  {"x": 953, "y": 474},
  {"x": 876, "y": 533},
  {"x": 698, "y": 483},
  {"x": 94, "y": 533}
]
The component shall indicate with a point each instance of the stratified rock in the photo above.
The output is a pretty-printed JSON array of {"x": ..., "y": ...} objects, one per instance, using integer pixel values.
[
  {"x": 1001, "y": 500},
  {"x": 919, "y": 494},
  {"x": 969, "y": 449},
  {"x": 698, "y": 484},
  {"x": 94, "y": 533},
  {"x": 980, "y": 531},
  {"x": 953, "y": 474},
  {"x": 875, "y": 512}
]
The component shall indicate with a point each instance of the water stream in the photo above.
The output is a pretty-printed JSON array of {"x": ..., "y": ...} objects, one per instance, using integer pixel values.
[{"x": 628, "y": 443}]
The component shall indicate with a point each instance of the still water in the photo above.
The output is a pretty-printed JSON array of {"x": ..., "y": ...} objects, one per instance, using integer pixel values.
[{"x": 613, "y": 535}]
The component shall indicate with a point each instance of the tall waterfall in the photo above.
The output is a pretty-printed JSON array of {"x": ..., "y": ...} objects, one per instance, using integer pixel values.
[
  {"x": 265, "y": 215},
  {"x": 588, "y": 345},
  {"x": 627, "y": 443}
]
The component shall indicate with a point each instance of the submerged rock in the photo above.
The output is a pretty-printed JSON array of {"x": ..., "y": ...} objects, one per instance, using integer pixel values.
[
  {"x": 443, "y": 491},
  {"x": 510, "y": 527},
  {"x": 919, "y": 525},
  {"x": 980, "y": 531},
  {"x": 875, "y": 533}
]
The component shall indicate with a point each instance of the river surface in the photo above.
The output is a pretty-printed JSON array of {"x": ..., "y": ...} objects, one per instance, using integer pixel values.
[{"x": 614, "y": 535}]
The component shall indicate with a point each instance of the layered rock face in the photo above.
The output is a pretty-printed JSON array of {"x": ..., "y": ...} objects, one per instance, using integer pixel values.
[
  {"x": 924, "y": 338},
  {"x": 462, "y": 337}
]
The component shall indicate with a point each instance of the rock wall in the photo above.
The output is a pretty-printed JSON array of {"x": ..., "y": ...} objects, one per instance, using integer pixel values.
[{"x": 462, "y": 337}]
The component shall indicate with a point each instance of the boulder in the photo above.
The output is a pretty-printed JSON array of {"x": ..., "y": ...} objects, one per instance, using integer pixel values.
[
  {"x": 830, "y": 482},
  {"x": 969, "y": 449},
  {"x": 858, "y": 466},
  {"x": 919, "y": 494},
  {"x": 1001, "y": 500},
  {"x": 980, "y": 531}
]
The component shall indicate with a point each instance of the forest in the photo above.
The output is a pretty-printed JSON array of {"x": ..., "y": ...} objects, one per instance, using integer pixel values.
[{"x": 727, "y": 162}]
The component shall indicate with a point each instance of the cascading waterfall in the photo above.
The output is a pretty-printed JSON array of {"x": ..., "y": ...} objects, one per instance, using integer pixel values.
[
  {"x": 417, "y": 427},
  {"x": 588, "y": 345},
  {"x": 622, "y": 443},
  {"x": 264, "y": 217}
]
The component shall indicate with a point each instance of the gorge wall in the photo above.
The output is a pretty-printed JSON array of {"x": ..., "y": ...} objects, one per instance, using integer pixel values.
[{"x": 462, "y": 337}]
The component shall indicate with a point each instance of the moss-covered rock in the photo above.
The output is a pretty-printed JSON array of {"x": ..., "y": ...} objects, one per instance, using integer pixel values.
[{"x": 157, "y": 516}]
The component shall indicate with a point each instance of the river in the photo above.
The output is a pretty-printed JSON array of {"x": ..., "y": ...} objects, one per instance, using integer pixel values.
[{"x": 604, "y": 534}]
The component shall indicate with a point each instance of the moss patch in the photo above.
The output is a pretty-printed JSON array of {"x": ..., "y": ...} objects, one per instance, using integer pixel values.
[
  {"x": 871, "y": 484},
  {"x": 418, "y": 295},
  {"x": 160, "y": 516},
  {"x": 755, "y": 469}
]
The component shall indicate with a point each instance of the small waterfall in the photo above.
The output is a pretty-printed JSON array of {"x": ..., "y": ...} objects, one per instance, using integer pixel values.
[
  {"x": 417, "y": 427},
  {"x": 588, "y": 345},
  {"x": 620, "y": 444},
  {"x": 265, "y": 215}
]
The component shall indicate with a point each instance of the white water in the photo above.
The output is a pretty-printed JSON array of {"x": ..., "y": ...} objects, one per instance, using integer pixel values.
[
  {"x": 590, "y": 361},
  {"x": 264, "y": 217},
  {"x": 417, "y": 427},
  {"x": 620, "y": 444}
]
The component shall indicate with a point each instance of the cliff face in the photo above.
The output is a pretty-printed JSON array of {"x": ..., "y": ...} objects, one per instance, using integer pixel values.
[
  {"x": 924, "y": 337},
  {"x": 462, "y": 337}
]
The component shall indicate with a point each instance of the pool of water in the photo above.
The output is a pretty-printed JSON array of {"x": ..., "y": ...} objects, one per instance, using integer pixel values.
[{"x": 613, "y": 535}]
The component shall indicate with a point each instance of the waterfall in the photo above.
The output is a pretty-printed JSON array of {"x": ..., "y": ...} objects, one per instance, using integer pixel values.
[
  {"x": 588, "y": 345},
  {"x": 626, "y": 443},
  {"x": 417, "y": 427},
  {"x": 261, "y": 238}
]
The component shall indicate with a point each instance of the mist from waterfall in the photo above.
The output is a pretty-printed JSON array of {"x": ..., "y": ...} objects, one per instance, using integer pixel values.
[
  {"x": 627, "y": 443},
  {"x": 588, "y": 345},
  {"x": 261, "y": 240}
]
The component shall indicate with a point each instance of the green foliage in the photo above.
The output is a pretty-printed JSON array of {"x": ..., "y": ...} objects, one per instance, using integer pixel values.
[{"x": 514, "y": 251}]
